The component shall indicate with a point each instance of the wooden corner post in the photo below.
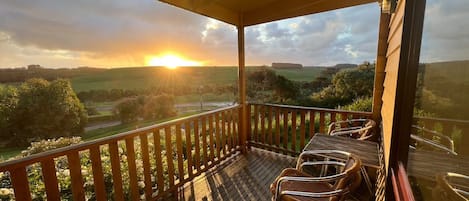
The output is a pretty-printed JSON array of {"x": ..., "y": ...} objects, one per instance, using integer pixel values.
[{"x": 243, "y": 118}]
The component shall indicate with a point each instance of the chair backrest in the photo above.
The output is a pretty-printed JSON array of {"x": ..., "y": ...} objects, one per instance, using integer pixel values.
[
  {"x": 353, "y": 176},
  {"x": 445, "y": 190},
  {"x": 368, "y": 131},
  {"x": 362, "y": 129},
  {"x": 430, "y": 139}
]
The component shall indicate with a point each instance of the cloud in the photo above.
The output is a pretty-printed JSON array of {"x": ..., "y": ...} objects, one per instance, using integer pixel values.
[
  {"x": 122, "y": 33},
  {"x": 445, "y": 31}
]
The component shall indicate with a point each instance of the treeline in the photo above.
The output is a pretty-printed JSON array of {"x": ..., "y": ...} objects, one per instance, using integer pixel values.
[
  {"x": 35, "y": 71},
  {"x": 117, "y": 94}
]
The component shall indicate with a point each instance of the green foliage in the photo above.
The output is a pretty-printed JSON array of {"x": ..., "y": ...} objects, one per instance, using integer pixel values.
[
  {"x": 8, "y": 103},
  {"x": 39, "y": 109},
  {"x": 346, "y": 86},
  {"x": 261, "y": 82},
  {"x": 146, "y": 107},
  {"x": 363, "y": 104}
]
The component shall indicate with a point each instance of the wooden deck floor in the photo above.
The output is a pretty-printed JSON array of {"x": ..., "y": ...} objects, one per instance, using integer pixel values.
[{"x": 243, "y": 177}]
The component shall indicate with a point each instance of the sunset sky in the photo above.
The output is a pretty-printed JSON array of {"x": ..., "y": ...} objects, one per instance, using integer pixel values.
[{"x": 120, "y": 33}]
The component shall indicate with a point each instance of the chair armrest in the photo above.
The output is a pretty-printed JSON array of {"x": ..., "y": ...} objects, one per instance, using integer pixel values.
[
  {"x": 278, "y": 194},
  {"x": 432, "y": 144},
  {"x": 320, "y": 153},
  {"x": 314, "y": 163}
]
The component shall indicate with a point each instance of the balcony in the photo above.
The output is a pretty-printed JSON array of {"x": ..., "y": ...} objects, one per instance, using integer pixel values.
[{"x": 193, "y": 158}]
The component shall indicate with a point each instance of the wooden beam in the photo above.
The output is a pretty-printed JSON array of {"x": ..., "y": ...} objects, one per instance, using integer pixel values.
[
  {"x": 242, "y": 86},
  {"x": 293, "y": 8},
  {"x": 380, "y": 66}
]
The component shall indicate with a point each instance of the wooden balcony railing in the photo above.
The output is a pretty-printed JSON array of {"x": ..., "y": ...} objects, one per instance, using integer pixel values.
[
  {"x": 150, "y": 162},
  {"x": 286, "y": 129}
]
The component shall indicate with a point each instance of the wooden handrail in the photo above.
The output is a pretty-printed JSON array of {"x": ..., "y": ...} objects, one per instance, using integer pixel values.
[{"x": 312, "y": 108}]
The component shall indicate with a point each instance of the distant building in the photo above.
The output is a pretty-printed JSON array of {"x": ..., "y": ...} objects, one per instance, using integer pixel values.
[
  {"x": 287, "y": 66},
  {"x": 34, "y": 67}
]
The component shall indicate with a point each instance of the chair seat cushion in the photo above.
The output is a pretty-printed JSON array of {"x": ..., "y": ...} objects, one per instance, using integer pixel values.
[{"x": 300, "y": 186}]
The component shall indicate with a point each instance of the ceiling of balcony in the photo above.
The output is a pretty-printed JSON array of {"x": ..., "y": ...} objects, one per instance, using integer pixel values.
[{"x": 252, "y": 12}]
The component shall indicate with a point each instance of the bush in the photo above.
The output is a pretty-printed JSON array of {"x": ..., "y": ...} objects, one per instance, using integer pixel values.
[{"x": 363, "y": 104}]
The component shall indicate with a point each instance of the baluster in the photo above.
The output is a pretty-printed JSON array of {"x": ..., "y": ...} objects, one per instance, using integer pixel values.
[
  {"x": 98, "y": 176},
  {"x": 187, "y": 127},
  {"x": 169, "y": 155},
  {"x": 249, "y": 121},
  {"x": 277, "y": 127},
  {"x": 322, "y": 122},
  {"x": 134, "y": 191},
  {"x": 75, "y": 175},
  {"x": 293, "y": 130},
  {"x": 211, "y": 140},
  {"x": 223, "y": 133},
  {"x": 256, "y": 123},
  {"x": 262, "y": 111},
  {"x": 50, "y": 179},
  {"x": 217, "y": 136},
  {"x": 269, "y": 126},
  {"x": 19, "y": 180},
  {"x": 197, "y": 145},
  {"x": 146, "y": 165},
  {"x": 204, "y": 142},
  {"x": 116, "y": 171},
  {"x": 302, "y": 129},
  {"x": 285, "y": 130},
  {"x": 230, "y": 127},
  {"x": 180, "y": 161},
  {"x": 158, "y": 161},
  {"x": 312, "y": 130}
]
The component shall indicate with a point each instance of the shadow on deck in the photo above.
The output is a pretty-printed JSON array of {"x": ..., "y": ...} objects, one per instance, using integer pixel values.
[{"x": 242, "y": 177}]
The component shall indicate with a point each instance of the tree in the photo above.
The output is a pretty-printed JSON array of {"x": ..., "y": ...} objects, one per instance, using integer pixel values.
[
  {"x": 46, "y": 110},
  {"x": 285, "y": 89},
  {"x": 8, "y": 103},
  {"x": 347, "y": 85},
  {"x": 146, "y": 107},
  {"x": 127, "y": 110}
]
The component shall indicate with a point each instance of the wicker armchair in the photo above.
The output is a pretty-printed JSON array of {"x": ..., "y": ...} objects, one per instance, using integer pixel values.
[{"x": 295, "y": 184}]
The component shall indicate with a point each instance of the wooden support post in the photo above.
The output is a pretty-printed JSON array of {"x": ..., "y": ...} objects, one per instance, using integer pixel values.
[
  {"x": 380, "y": 66},
  {"x": 243, "y": 131}
]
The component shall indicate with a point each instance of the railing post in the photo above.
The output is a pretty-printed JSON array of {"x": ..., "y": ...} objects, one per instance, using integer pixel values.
[{"x": 242, "y": 87}]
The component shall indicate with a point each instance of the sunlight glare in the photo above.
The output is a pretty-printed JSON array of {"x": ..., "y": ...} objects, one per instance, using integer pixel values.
[{"x": 170, "y": 61}]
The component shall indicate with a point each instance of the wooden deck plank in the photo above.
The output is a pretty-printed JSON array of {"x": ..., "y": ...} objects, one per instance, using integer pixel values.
[{"x": 241, "y": 177}]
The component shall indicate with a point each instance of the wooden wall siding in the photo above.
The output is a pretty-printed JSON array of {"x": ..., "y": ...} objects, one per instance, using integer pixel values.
[
  {"x": 287, "y": 129},
  {"x": 163, "y": 157},
  {"x": 390, "y": 80}
]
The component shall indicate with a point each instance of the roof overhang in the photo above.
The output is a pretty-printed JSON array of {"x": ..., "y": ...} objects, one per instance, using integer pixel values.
[{"x": 251, "y": 12}]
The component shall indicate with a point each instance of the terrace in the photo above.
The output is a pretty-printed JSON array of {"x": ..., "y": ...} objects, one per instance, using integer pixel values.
[{"x": 236, "y": 152}]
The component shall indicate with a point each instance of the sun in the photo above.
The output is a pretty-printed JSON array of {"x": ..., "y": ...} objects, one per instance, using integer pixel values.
[{"x": 170, "y": 61}]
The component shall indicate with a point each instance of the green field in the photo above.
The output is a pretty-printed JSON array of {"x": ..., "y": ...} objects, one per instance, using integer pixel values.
[{"x": 148, "y": 77}]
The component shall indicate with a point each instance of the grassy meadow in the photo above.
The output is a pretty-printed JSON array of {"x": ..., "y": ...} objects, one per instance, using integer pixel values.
[{"x": 148, "y": 77}]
